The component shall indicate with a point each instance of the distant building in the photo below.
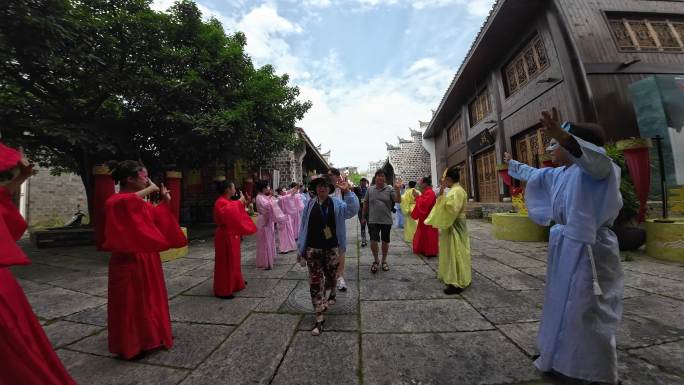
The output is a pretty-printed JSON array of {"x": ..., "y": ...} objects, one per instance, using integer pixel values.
[{"x": 409, "y": 159}]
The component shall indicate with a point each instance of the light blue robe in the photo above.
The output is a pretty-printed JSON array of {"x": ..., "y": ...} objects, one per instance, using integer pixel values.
[{"x": 577, "y": 331}]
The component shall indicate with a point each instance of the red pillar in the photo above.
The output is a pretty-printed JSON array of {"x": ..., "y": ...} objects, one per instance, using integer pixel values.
[
  {"x": 103, "y": 189},
  {"x": 173, "y": 183}
]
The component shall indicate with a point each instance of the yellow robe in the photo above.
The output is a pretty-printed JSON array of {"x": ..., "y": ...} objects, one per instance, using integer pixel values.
[
  {"x": 449, "y": 217},
  {"x": 408, "y": 202}
]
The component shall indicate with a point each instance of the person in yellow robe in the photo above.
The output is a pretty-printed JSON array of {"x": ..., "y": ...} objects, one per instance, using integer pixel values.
[
  {"x": 408, "y": 202},
  {"x": 449, "y": 216}
]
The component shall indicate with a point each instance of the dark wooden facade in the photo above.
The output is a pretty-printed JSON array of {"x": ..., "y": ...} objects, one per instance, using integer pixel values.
[{"x": 531, "y": 55}]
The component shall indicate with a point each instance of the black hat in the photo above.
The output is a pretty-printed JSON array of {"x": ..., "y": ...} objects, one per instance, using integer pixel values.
[{"x": 319, "y": 179}]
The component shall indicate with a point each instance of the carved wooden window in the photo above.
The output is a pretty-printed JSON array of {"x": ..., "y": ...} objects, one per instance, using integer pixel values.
[
  {"x": 480, "y": 107},
  {"x": 530, "y": 145},
  {"x": 528, "y": 63},
  {"x": 635, "y": 33},
  {"x": 455, "y": 133}
]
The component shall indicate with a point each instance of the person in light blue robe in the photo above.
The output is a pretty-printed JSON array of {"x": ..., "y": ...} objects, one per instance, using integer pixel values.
[{"x": 584, "y": 279}]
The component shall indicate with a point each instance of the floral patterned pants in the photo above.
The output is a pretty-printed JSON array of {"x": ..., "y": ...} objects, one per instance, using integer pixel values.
[{"x": 322, "y": 264}]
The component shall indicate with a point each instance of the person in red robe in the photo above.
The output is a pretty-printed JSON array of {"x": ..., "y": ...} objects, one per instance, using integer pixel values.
[
  {"x": 426, "y": 240},
  {"x": 232, "y": 222},
  {"x": 27, "y": 356},
  {"x": 136, "y": 231}
]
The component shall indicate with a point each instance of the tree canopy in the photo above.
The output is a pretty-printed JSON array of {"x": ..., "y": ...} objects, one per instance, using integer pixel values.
[{"x": 83, "y": 81}]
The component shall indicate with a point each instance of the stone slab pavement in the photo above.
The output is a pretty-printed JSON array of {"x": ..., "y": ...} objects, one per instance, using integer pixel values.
[{"x": 394, "y": 327}]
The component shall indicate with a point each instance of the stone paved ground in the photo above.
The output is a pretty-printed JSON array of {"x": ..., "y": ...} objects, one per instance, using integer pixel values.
[{"x": 395, "y": 327}]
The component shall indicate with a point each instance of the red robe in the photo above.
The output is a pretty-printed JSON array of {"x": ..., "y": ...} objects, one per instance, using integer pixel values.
[
  {"x": 426, "y": 240},
  {"x": 27, "y": 356},
  {"x": 231, "y": 222},
  {"x": 137, "y": 307}
]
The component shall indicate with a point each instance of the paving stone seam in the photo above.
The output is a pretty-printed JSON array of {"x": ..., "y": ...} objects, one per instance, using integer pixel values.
[
  {"x": 679, "y": 299},
  {"x": 520, "y": 348},
  {"x": 661, "y": 368},
  {"x": 512, "y": 267},
  {"x": 189, "y": 288},
  {"x": 132, "y": 362},
  {"x": 287, "y": 349},
  {"x": 359, "y": 369}
]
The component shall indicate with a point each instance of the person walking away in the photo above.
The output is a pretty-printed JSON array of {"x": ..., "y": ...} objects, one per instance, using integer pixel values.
[
  {"x": 232, "y": 222},
  {"x": 449, "y": 216},
  {"x": 360, "y": 192},
  {"x": 426, "y": 239},
  {"x": 377, "y": 205},
  {"x": 584, "y": 279},
  {"x": 322, "y": 240},
  {"x": 396, "y": 209},
  {"x": 408, "y": 203},
  {"x": 136, "y": 231},
  {"x": 27, "y": 355}
]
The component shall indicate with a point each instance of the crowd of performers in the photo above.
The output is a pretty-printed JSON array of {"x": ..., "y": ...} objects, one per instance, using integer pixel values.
[{"x": 584, "y": 285}]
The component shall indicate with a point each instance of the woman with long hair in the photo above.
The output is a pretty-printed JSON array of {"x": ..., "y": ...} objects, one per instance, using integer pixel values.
[
  {"x": 136, "y": 231},
  {"x": 27, "y": 354},
  {"x": 269, "y": 214},
  {"x": 232, "y": 222}
]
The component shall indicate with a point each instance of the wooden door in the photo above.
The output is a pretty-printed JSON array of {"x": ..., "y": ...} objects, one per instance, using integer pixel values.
[
  {"x": 487, "y": 180},
  {"x": 463, "y": 177}
]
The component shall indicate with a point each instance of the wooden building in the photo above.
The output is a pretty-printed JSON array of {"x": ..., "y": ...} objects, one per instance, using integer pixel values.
[{"x": 531, "y": 55}]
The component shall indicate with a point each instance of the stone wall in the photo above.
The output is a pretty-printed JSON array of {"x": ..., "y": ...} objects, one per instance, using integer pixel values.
[
  {"x": 52, "y": 200},
  {"x": 410, "y": 159},
  {"x": 289, "y": 166}
]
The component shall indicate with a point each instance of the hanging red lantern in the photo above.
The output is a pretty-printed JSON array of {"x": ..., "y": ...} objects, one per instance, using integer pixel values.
[
  {"x": 502, "y": 169},
  {"x": 103, "y": 188},
  {"x": 637, "y": 158}
]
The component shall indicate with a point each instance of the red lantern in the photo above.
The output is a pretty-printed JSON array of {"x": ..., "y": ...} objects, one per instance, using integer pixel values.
[
  {"x": 502, "y": 169},
  {"x": 173, "y": 183},
  {"x": 103, "y": 188},
  {"x": 636, "y": 152}
]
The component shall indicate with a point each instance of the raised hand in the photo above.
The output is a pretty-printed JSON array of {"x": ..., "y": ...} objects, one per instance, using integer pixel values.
[
  {"x": 398, "y": 183},
  {"x": 165, "y": 193},
  {"x": 551, "y": 124},
  {"x": 344, "y": 186}
]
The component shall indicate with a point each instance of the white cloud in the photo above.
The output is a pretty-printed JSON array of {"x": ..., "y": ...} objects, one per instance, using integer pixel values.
[
  {"x": 355, "y": 119},
  {"x": 474, "y": 7},
  {"x": 266, "y": 31}
]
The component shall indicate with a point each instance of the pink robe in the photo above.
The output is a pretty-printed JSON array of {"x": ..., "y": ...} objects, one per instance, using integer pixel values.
[
  {"x": 288, "y": 231},
  {"x": 269, "y": 214}
]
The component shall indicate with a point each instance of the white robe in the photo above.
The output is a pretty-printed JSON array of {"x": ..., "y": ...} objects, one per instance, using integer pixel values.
[{"x": 577, "y": 331}]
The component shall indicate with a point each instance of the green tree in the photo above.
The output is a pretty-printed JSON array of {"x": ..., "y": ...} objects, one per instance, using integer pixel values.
[{"x": 91, "y": 80}]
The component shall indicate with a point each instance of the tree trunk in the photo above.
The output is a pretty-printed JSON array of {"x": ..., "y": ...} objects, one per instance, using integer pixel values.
[{"x": 85, "y": 170}]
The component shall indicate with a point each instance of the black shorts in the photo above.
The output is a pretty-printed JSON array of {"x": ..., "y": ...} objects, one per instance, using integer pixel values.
[{"x": 376, "y": 229}]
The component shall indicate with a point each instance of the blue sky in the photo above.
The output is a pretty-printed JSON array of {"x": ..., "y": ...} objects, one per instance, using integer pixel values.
[{"x": 371, "y": 68}]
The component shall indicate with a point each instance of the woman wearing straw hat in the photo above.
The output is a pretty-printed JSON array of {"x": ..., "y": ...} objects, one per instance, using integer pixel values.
[{"x": 322, "y": 237}]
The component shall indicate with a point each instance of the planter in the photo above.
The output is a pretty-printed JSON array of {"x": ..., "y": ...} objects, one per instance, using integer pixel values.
[
  {"x": 517, "y": 227},
  {"x": 171, "y": 254},
  {"x": 665, "y": 240},
  {"x": 630, "y": 238}
]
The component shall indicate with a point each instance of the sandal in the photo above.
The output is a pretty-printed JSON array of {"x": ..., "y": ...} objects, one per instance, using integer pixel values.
[
  {"x": 385, "y": 266},
  {"x": 317, "y": 328},
  {"x": 374, "y": 267},
  {"x": 331, "y": 301}
]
